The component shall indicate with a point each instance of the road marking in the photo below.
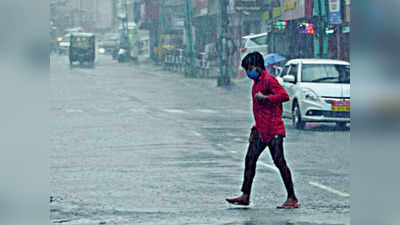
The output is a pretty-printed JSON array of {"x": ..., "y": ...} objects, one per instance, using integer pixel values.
[
  {"x": 207, "y": 111},
  {"x": 315, "y": 184},
  {"x": 237, "y": 139},
  {"x": 270, "y": 167},
  {"x": 73, "y": 111},
  {"x": 329, "y": 189},
  {"x": 174, "y": 111}
]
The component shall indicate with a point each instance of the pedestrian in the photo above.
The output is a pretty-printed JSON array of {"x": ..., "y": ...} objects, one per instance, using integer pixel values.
[
  {"x": 269, "y": 130},
  {"x": 271, "y": 68},
  {"x": 274, "y": 69}
]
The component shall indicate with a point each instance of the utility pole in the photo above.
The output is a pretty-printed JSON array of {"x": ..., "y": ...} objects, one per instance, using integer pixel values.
[
  {"x": 114, "y": 14},
  {"x": 161, "y": 30},
  {"x": 323, "y": 21},
  {"x": 222, "y": 21},
  {"x": 80, "y": 14},
  {"x": 124, "y": 18},
  {"x": 125, "y": 42},
  {"x": 321, "y": 27},
  {"x": 189, "y": 64},
  {"x": 162, "y": 15},
  {"x": 96, "y": 12}
]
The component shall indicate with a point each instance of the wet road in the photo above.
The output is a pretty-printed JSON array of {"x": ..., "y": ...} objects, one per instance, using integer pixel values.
[{"x": 133, "y": 144}]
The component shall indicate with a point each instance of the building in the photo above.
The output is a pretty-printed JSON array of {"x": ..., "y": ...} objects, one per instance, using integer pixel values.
[
  {"x": 309, "y": 28},
  {"x": 91, "y": 15}
]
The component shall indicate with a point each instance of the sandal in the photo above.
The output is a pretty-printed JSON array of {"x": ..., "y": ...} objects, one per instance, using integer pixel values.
[
  {"x": 238, "y": 201},
  {"x": 289, "y": 205}
]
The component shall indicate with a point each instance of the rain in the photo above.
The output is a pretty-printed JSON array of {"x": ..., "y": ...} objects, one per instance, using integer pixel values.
[{"x": 158, "y": 108}]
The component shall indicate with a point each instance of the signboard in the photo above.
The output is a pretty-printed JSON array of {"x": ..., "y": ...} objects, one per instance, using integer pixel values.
[
  {"x": 296, "y": 9},
  {"x": 266, "y": 16},
  {"x": 288, "y": 5},
  {"x": 346, "y": 30},
  {"x": 276, "y": 12},
  {"x": 293, "y": 9},
  {"x": 335, "y": 14},
  {"x": 347, "y": 11},
  {"x": 306, "y": 28},
  {"x": 249, "y": 5}
]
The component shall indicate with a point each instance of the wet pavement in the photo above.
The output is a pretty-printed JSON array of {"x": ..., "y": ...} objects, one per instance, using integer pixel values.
[{"x": 133, "y": 144}]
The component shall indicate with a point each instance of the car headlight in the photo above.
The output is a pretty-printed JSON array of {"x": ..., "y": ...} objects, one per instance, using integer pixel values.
[
  {"x": 102, "y": 50},
  {"x": 310, "y": 95}
]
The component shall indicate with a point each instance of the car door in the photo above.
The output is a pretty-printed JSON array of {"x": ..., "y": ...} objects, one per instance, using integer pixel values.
[
  {"x": 291, "y": 69},
  {"x": 284, "y": 72}
]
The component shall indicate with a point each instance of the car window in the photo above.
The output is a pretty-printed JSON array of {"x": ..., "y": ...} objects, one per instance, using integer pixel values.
[
  {"x": 250, "y": 43},
  {"x": 81, "y": 41},
  {"x": 325, "y": 73},
  {"x": 243, "y": 44},
  {"x": 293, "y": 70},
  {"x": 285, "y": 71},
  {"x": 262, "y": 40}
]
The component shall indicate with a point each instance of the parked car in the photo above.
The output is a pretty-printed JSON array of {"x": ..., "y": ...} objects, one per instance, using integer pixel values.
[
  {"x": 319, "y": 91},
  {"x": 252, "y": 43}
]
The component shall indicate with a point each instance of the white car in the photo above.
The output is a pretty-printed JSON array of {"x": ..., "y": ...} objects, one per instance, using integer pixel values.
[
  {"x": 253, "y": 43},
  {"x": 319, "y": 91}
]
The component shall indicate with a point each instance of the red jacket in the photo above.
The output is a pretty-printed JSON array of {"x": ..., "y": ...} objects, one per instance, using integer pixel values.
[{"x": 268, "y": 115}]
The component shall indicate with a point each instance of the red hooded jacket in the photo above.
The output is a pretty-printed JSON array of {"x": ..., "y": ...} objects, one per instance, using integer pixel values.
[{"x": 268, "y": 114}]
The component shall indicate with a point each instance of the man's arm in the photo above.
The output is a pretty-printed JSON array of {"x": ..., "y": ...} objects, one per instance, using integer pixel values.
[{"x": 278, "y": 93}]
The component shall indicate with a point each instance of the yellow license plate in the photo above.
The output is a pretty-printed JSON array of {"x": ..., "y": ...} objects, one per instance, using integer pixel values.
[{"x": 341, "y": 106}]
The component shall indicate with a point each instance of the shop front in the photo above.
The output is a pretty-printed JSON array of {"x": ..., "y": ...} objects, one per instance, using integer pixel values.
[{"x": 291, "y": 29}]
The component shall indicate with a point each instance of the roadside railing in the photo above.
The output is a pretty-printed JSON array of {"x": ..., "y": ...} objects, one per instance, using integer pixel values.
[{"x": 205, "y": 65}]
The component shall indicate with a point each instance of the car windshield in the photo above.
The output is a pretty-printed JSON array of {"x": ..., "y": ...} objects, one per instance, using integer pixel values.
[
  {"x": 326, "y": 73},
  {"x": 262, "y": 40},
  {"x": 81, "y": 40}
]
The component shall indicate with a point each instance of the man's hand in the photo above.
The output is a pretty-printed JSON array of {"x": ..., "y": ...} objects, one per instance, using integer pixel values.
[{"x": 260, "y": 97}]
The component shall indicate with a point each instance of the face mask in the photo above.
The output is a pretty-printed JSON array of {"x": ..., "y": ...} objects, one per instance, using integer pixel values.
[{"x": 253, "y": 74}]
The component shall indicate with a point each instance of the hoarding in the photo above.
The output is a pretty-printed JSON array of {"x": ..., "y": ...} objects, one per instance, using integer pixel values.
[
  {"x": 335, "y": 13},
  {"x": 296, "y": 9},
  {"x": 248, "y": 5}
]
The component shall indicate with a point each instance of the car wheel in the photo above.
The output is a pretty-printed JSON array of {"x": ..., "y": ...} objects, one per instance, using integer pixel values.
[{"x": 298, "y": 123}]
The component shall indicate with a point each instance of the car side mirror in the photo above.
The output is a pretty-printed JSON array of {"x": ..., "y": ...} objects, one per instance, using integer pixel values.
[{"x": 289, "y": 79}]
